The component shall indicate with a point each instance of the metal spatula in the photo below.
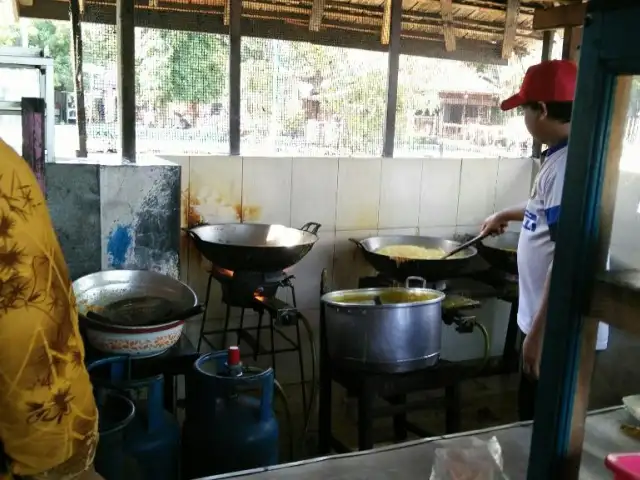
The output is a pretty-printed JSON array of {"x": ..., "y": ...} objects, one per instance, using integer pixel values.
[{"x": 473, "y": 241}]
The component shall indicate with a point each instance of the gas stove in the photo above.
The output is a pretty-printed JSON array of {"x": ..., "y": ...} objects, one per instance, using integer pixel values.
[{"x": 256, "y": 291}]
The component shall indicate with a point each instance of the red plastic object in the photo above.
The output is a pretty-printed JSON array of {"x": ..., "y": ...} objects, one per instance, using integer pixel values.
[
  {"x": 625, "y": 466},
  {"x": 233, "y": 356}
]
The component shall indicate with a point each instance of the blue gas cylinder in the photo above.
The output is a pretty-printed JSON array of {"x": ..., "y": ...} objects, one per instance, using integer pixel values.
[
  {"x": 153, "y": 436},
  {"x": 229, "y": 420}
]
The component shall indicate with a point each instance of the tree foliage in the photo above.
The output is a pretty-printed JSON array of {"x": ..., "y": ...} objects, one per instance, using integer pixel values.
[
  {"x": 196, "y": 66},
  {"x": 54, "y": 38}
]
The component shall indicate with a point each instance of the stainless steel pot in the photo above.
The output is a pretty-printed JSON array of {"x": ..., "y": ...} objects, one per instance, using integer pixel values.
[{"x": 384, "y": 329}]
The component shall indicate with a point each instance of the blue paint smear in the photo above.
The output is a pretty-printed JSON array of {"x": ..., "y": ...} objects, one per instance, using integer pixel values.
[{"x": 118, "y": 244}]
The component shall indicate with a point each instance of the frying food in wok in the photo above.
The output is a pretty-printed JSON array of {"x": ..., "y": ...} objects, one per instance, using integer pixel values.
[{"x": 413, "y": 252}]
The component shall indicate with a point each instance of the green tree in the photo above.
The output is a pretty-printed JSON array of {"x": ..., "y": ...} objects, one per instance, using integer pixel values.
[
  {"x": 99, "y": 44},
  {"x": 197, "y": 68},
  {"x": 9, "y": 35},
  {"x": 51, "y": 36},
  {"x": 55, "y": 39}
]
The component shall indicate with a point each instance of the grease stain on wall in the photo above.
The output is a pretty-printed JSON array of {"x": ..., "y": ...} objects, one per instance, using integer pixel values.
[
  {"x": 118, "y": 244},
  {"x": 247, "y": 213}
]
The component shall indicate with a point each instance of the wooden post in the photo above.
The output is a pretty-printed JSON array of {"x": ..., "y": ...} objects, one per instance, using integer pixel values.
[
  {"x": 81, "y": 118},
  {"x": 571, "y": 43},
  {"x": 235, "y": 39},
  {"x": 125, "y": 31},
  {"x": 392, "y": 78},
  {"x": 33, "y": 141}
]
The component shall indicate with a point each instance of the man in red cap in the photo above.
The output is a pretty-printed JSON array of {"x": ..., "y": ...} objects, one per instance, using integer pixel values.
[{"x": 546, "y": 97}]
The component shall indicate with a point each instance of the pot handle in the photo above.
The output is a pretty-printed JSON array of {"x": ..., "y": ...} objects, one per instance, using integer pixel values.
[
  {"x": 311, "y": 227},
  {"x": 419, "y": 280},
  {"x": 358, "y": 244},
  {"x": 185, "y": 314},
  {"x": 189, "y": 233}
]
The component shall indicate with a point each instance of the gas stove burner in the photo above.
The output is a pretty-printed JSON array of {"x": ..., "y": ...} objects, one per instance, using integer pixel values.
[{"x": 241, "y": 289}]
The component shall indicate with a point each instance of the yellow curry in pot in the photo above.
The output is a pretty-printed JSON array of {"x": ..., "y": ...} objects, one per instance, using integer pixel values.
[{"x": 389, "y": 297}]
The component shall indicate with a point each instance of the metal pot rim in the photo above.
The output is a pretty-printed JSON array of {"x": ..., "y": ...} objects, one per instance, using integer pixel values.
[{"x": 328, "y": 298}]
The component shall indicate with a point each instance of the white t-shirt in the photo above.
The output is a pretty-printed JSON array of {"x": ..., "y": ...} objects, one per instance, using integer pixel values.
[{"x": 536, "y": 246}]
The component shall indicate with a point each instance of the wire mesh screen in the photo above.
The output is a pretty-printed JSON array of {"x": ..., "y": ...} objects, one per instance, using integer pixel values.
[
  {"x": 181, "y": 90},
  {"x": 304, "y": 99},
  {"x": 452, "y": 108},
  {"x": 297, "y": 98}
]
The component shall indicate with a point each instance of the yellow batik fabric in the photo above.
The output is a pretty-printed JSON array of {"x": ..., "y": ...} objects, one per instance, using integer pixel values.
[{"x": 48, "y": 417}]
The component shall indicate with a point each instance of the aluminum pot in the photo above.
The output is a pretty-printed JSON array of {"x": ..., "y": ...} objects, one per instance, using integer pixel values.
[{"x": 389, "y": 330}]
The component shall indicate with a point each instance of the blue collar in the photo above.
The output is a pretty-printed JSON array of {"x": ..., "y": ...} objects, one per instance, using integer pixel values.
[{"x": 551, "y": 150}]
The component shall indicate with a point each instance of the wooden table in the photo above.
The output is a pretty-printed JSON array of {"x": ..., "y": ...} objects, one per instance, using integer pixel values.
[{"x": 414, "y": 459}]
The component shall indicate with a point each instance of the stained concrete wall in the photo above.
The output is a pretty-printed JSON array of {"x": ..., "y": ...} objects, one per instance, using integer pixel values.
[
  {"x": 109, "y": 214},
  {"x": 73, "y": 197}
]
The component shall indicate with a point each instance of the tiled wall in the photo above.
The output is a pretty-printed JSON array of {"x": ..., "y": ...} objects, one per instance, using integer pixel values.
[{"x": 350, "y": 197}]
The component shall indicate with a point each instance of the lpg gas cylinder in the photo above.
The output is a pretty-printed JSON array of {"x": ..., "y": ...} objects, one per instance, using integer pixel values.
[
  {"x": 230, "y": 424},
  {"x": 153, "y": 437}
]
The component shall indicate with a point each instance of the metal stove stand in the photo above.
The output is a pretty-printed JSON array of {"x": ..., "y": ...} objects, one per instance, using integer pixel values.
[
  {"x": 367, "y": 386},
  {"x": 175, "y": 362},
  {"x": 256, "y": 291}
]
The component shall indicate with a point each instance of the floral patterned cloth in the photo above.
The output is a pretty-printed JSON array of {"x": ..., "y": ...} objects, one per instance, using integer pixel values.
[{"x": 48, "y": 417}]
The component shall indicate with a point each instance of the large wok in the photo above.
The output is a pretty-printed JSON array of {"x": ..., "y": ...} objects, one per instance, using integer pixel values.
[
  {"x": 430, "y": 270},
  {"x": 254, "y": 247},
  {"x": 500, "y": 251}
]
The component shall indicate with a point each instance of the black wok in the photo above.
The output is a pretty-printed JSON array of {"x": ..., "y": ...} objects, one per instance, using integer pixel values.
[
  {"x": 254, "y": 247},
  {"x": 430, "y": 270},
  {"x": 500, "y": 251}
]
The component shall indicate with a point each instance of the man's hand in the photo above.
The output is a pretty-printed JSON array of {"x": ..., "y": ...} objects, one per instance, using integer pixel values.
[
  {"x": 531, "y": 353},
  {"x": 494, "y": 224}
]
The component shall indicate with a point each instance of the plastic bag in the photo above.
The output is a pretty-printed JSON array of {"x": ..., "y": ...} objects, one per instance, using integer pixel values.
[{"x": 470, "y": 459}]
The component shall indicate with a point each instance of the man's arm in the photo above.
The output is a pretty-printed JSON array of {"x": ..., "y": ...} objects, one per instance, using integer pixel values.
[
  {"x": 513, "y": 214},
  {"x": 540, "y": 319}
]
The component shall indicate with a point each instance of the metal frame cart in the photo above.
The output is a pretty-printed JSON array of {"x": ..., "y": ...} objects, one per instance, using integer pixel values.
[{"x": 582, "y": 292}]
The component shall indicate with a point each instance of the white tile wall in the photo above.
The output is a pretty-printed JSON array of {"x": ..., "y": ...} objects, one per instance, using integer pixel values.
[
  {"x": 512, "y": 177},
  {"x": 358, "y": 193},
  {"x": 266, "y": 190},
  {"x": 478, "y": 180},
  {"x": 440, "y": 192},
  {"x": 348, "y": 263},
  {"x": 314, "y": 190},
  {"x": 443, "y": 232},
  {"x": 400, "y": 192},
  {"x": 215, "y": 190},
  {"x": 356, "y": 197}
]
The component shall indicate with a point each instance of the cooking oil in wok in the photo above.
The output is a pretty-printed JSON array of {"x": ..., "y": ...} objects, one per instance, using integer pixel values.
[{"x": 139, "y": 311}]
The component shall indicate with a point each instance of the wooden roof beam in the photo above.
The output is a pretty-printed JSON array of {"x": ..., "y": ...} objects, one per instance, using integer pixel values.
[
  {"x": 510, "y": 28},
  {"x": 571, "y": 15},
  {"x": 317, "y": 11},
  {"x": 385, "y": 32},
  {"x": 446, "y": 12}
]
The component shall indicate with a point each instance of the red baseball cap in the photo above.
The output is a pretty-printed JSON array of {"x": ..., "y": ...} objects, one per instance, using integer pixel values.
[{"x": 550, "y": 81}]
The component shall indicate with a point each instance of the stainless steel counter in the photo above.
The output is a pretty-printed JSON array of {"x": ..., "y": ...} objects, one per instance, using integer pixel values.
[{"x": 414, "y": 459}]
